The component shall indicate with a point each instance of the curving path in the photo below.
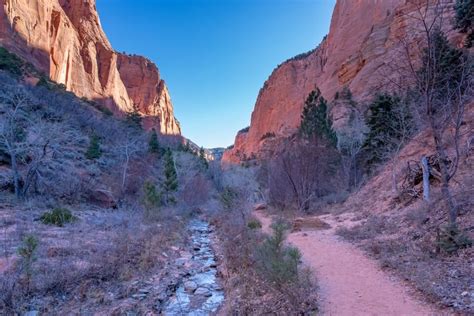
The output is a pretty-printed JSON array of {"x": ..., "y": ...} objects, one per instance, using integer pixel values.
[{"x": 349, "y": 282}]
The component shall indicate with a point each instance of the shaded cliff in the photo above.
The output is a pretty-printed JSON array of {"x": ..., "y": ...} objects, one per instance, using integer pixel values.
[
  {"x": 363, "y": 39},
  {"x": 64, "y": 39}
]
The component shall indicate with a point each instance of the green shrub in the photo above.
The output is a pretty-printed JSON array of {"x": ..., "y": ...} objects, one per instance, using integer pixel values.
[
  {"x": 268, "y": 135},
  {"x": 94, "y": 151},
  {"x": 10, "y": 62},
  {"x": 277, "y": 262},
  {"x": 450, "y": 239},
  {"x": 254, "y": 224},
  {"x": 151, "y": 199},
  {"x": 106, "y": 111},
  {"x": 58, "y": 216},
  {"x": 27, "y": 253},
  {"x": 134, "y": 119},
  {"x": 227, "y": 197}
]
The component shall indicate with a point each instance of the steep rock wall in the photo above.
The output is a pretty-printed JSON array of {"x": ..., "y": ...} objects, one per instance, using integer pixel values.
[
  {"x": 363, "y": 40},
  {"x": 64, "y": 39}
]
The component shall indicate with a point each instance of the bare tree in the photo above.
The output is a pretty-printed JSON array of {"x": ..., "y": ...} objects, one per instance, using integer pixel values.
[
  {"x": 303, "y": 172},
  {"x": 128, "y": 148},
  {"x": 14, "y": 103},
  {"x": 441, "y": 77},
  {"x": 349, "y": 143}
]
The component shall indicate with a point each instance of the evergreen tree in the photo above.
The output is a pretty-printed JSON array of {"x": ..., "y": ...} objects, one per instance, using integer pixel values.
[
  {"x": 153, "y": 144},
  {"x": 94, "y": 151},
  {"x": 442, "y": 66},
  {"x": 315, "y": 120},
  {"x": 171, "y": 177},
  {"x": 134, "y": 119},
  {"x": 465, "y": 19},
  {"x": 151, "y": 199},
  {"x": 387, "y": 122},
  {"x": 187, "y": 147},
  {"x": 202, "y": 156}
]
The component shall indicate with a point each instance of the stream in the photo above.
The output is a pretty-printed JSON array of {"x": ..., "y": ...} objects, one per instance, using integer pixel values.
[{"x": 200, "y": 292}]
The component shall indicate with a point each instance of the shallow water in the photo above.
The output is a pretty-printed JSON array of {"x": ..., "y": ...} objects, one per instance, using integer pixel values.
[{"x": 208, "y": 295}]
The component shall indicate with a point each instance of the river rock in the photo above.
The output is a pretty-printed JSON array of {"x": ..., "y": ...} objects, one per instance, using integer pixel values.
[
  {"x": 190, "y": 286},
  {"x": 202, "y": 291}
]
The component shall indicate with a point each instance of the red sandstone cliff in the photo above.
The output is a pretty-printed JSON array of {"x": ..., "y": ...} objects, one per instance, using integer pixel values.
[
  {"x": 363, "y": 38},
  {"x": 64, "y": 39}
]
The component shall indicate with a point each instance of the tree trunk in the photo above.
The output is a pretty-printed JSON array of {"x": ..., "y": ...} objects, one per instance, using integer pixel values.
[
  {"x": 16, "y": 176},
  {"x": 426, "y": 179},
  {"x": 445, "y": 176}
]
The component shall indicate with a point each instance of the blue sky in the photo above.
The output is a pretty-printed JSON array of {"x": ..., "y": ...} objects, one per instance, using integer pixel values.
[{"x": 215, "y": 55}]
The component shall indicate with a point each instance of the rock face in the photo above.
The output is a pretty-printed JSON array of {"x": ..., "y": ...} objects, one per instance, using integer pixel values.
[
  {"x": 64, "y": 39},
  {"x": 363, "y": 39}
]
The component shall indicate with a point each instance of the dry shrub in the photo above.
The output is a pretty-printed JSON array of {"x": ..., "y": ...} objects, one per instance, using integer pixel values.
[
  {"x": 196, "y": 191},
  {"x": 260, "y": 282},
  {"x": 371, "y": 228},
  {"x": 301, "y": 174}
]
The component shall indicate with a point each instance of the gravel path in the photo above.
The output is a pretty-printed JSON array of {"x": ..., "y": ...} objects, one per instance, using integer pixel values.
[{"x": 349, "y": 282}]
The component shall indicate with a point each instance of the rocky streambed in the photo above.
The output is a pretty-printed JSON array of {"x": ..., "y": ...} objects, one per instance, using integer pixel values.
[{"x": 199, "y": 292}]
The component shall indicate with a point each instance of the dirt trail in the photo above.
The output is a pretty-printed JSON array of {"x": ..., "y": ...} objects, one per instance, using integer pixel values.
[{"x": 349, "y": 282}]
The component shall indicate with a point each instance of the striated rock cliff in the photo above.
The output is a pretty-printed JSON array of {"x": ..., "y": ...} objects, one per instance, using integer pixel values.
[
  {"x": 64, "y": 39},
  {"x": 363, "y": 39}
]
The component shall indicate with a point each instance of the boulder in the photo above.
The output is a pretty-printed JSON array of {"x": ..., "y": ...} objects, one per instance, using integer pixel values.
[
  {"x": 103, "y": 198},
  {"x": 190, "y": 286}
]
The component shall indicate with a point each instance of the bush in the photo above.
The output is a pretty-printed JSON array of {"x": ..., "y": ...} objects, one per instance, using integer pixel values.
[
  {"x": 151, "y": 199},
  {"x": 27, "y": 252},
  {"x": 450, "y": 239},
  {"x": 10, "y": 62},
  {"x": 279, "y": 263},
  {"x": 94, "y": 151},
  {"x": 134, "y": 119},
  {"x": 268, "y": 135},
  {"x": 227, "y": 197},
  {"x": 254, "y": 224},
  {"x": 58, "y": 216},
  {"x": 244, "y": 130}
]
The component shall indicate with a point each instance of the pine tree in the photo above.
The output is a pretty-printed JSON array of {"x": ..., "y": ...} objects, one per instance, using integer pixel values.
[
  {"x": 315, "y": 120},
  {"x": 171, "y": 177},
  {"x": 134, "y": 119},
  {"x": 202, "y": 156},
  {"x": 465, "y": 19},
  {"x": 187, "y": 147},
  {"x": 389, "y": 119},
  {"x": 153, "y": 144},
  {"x": 443, "y": 67},
  {"x": 94, "y": 151},
  {"x": 151, "y": 199}
]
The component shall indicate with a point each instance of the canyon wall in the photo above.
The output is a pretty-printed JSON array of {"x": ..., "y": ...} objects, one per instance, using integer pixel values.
[
  {"x": 364, "y": 38},
  {"x": 64, "y": 39}
]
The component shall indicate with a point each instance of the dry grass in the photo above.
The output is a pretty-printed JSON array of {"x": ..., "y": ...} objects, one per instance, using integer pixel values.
[{"x": 90, "y": 263}]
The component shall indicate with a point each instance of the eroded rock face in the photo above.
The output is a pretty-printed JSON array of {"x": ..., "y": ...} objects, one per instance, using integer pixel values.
[
  {"x": 362, "y": 41},
  {"x": 64, "y": 39}
]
